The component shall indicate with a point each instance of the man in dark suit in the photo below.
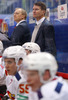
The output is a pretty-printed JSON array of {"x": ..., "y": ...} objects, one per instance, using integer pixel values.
[
  {"x": 43, "y": 33},
  {"x": 21, "y": 33}
]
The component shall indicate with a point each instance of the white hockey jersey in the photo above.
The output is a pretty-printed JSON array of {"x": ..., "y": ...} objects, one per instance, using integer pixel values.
[
  {"x": 2, "y": 72},
  {"x": 33, "y": 96},
  {"x": 2, "y": 75},
  {"x": 55, "y": 90},
  {"x": 17, "y": 87},
  {"x": 1, "y": 61}
]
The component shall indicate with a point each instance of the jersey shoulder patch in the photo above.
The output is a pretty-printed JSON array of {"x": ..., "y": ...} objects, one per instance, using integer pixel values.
[
  {"x": 17, "y": 75},
  {"x": 58, "y": 87}
]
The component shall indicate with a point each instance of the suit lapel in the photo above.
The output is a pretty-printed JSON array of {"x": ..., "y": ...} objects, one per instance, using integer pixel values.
[{"x": 40, "y": 28}]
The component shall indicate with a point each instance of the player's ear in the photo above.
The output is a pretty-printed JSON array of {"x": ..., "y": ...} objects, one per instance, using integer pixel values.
[{"x": 20, "y": 61}]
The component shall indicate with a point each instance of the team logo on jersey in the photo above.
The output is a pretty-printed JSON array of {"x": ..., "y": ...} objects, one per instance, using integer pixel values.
[{"x": 11, "y": 96}]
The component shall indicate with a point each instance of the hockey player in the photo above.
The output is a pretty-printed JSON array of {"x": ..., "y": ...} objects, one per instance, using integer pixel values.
[
  {"x": 43, "y": 67},
  {"x": 3, "y": 87},
  {"x": 3, "y": 73},
  {"x": 31, "y": 47},
  {"x": 15, "y": 81}
]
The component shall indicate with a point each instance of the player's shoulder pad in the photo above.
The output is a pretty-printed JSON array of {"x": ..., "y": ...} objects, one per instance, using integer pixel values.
[
  {"x": 17, "y": 75},
  {"x": 58, "y": 87}
]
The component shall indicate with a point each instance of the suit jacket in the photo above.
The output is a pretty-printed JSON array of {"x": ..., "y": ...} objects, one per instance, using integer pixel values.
[
  {"x": 45, "y": 37},
  {"x": 21, "y": 34}
]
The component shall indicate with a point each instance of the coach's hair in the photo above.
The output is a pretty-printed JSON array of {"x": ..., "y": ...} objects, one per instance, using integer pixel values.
[{"x": 41, "y": 4}]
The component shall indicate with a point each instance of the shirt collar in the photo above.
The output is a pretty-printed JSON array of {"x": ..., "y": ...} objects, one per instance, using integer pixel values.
[
  {"x": 40, "y": 21},
  {"x": 20, "y": 22}
]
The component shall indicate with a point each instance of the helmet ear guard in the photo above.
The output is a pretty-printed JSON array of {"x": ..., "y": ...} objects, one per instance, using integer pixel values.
[{"x": 41, "y": 62}]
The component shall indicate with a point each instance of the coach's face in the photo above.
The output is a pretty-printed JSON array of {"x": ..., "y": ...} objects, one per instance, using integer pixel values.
[
  {"x": 38, "y": 13},
  {"x": 18, "y": 16}
]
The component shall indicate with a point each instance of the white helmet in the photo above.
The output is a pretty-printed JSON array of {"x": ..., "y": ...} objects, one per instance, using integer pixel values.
[
  {"x": 33, "y": 47},
  {"x": 1, "y": 46},
  {"x": 41, "y": 61},
  {"x": 16, "y": 52}
]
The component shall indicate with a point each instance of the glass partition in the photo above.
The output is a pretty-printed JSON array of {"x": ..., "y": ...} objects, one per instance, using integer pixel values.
[{"x": 60, "y": 25}]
